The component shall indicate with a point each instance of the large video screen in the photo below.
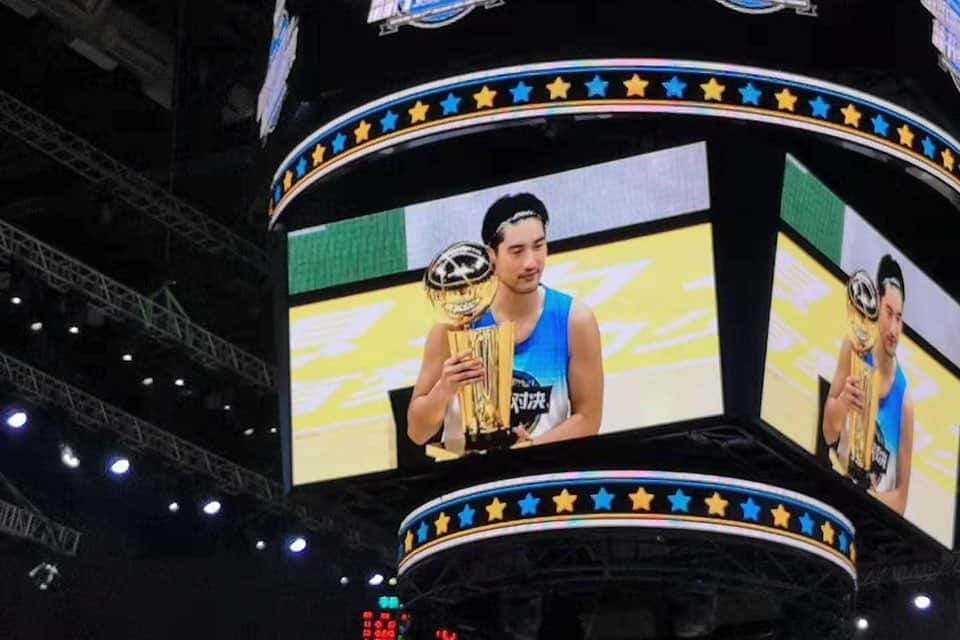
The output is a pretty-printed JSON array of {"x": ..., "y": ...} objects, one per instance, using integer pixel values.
[
  {"x": 886, "y": 416},
  {"x": 359, "y": 316}
]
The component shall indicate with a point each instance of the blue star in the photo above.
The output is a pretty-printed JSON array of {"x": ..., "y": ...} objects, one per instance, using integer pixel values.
[
  {"x": 451, "y": 104},
  {"x": 880, "y": 126},
  {"x": 466, "y": 516},
  {"x": 277, "y": 193},
  {"x": 597, "y": 87},
  {"x": 750, "y": 94},
  {"x": 928, "y": 147},
  {"x": 528, "y": 506},
  {"x": 821, "y": 108},
  {"x": 806, "y": 524},
  {"x": 302, "y": 167},
  {"x": 679, "y": 501},
  {"x": 751, "y": 510},
  {"x": 422, "y": 532},
  {"x": 339, "y": 142},
  {"x": 603, "y": 500},
  {"x": 675, "y": 87},
  {"x": 521, "y": 92},
  {"x": 844, "y": 542},
  {"x": 389, "y": 121}
]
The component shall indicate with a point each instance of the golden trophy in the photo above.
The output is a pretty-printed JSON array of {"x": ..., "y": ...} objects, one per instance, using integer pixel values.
[
  {"x": 461, "y": 285},
  {"x": 854, "y": 456}
]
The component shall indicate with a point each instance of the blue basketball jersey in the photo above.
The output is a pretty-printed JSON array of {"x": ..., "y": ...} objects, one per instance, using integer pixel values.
[
  {"x": 886, "y": 446},
  {"x": 541, "y": 398}
]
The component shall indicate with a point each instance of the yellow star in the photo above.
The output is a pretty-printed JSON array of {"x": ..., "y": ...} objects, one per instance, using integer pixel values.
[
  {"x": 495, "y": 510},
  {"x": 853, "y": 553},
  {"x": 636, "y": 86},
  {"x": 906, "y": 136},
  {"x": 418, "y": 113},
  {"x": 785, "y": 100},
  {"x": 408, "y": 541},
  {"x": 558, "y": 88},
  {"x": 828, "y": 532},
  {"x": 485, "y": 97},
  {"x": 781, "y": 517},
  {"x": 441, "y": 523},
  {"x": 318, "y": 152},
  {"x": 641, "y": 499},
  {"x": 362, "y": 132},
  {"x": 565, "y": 501},
  {"x": 851, "y": 116},
  {"x": 717, "y": 505},
  {"x": 287, "y": 180},
  {"x": 713, "y": 90},
  {"x": 948, "y": 159}
]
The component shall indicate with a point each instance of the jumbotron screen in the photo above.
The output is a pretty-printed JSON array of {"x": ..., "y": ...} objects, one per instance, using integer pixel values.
[
  {"x": 822, "y": 378},
  {"x": 629, "y": 253}
]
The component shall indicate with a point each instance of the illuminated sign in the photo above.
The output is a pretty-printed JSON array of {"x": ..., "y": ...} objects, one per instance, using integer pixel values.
[
  {"x": 383, "y": 625},
  {"x": 946, "y": 34},
  {"x": 804, "y": 7},
  {"x": 283, "y": 51},
  {"x": 426, "y": 14},
  {"x": 388, "y": 602}
]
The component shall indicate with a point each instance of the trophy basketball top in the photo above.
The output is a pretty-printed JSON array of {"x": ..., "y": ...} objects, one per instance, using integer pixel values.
[
  {"x": 460, "y": 282},
  {"x": 862, "y": 311}
]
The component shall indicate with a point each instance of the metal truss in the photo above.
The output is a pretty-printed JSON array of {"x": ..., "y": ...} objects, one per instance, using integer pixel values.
[
  {"x": 91, "y": 412},
  {"x": 22, "y": 122},
  {"x": 31, "y": 526},
  {"x": 62, "y": 272},
  {"x": 911, "y": 573}
]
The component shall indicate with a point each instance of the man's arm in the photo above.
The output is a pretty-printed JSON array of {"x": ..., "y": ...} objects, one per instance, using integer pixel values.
[
  {"x": 845, "y": 394},
  {"x": 585, "y": 378},
  {"x": 897, "y": 499},
  {"x": 440, "y": 377}
]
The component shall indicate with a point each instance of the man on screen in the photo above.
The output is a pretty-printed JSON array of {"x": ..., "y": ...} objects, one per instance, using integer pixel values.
[
  {"x": 893, "y": 447},
  {"x": 557, "y": 357}
]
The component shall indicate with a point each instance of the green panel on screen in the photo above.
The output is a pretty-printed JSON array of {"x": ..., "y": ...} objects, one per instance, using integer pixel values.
[{"x": 813, "y": 210}]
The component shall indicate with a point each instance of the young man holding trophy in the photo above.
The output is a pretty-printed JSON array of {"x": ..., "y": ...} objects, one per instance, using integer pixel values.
[
  {"x": 516, "y": 362},
  {"x": 868, "y": 416}
]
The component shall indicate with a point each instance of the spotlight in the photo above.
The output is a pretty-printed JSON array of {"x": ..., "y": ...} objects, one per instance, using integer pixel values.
[
  {"x": 392, "y": 582},
  {"x": 862, "y": 624},
  {"x": 36, "y": 326},
  {"x": 127, "y": 357},
  {"x": 297, "y": 544},
  {"x": 344, "y": 580},
  {"x": 44, "y": 575},
  {"x": 173, "y": 507},
  {"x": 147, "y": 382},
  {"x": 68, "y": 457},
  {"x": 922, "y": 601},
  {"x": 261, "y": 545},
  {"x": 179, "y": 382},
  {"x": 211, "y": 507},
  {"x": 118, "y": 465},
  {"x": 226, "y": 407},
  {"x": 248, "y": 432},
  {"x": 375, "y": 580},
  {"x": 16, "y": 300},
  {"x": 74, "y": 329},
  {"x": 15, "y": 418},
  {"x": 274, "y": 429}
]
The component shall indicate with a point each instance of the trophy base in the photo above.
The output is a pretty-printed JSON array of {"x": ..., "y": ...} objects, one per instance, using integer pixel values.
[
  {"x": 859, "y": 477},
  {"x": 500, "y": 439},
  {"x": 508, "y": 440}
]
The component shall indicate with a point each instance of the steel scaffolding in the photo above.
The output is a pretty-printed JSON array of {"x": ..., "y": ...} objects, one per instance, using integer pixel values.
[
  {"x": 62, "y": 272},
  {"x": 22, "y": 122},
  {"x": 91, "y": 412},
  {"x": 911, "y": 572},
  {"x": 31, "y": 526}
]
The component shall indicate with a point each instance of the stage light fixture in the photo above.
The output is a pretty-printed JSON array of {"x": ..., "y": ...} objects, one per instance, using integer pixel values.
[
  {"x": 212, "y": 506},
  {"x": 147, "y": 381},
  {"x": 375, "y": 580},
  {"x": 273, "y": 429},
  {"x": 226, "y": 407},
  {"x": 15, "y": 418},
  {"x": 127, "y": 357},
  {"x": 179, "y": 382},
  {"x": 248, "y": 432},
  {"x": 74, "y": 329},
  {"x": 173, "y": 507},
  {"x": 36, "y": 326},
  {"x": 118, "y": 465},
  {"x": 261, "y": 545},
  {"x": 392, "y": 582},
  {"x": 44, "y": 575},
  {"x": 68, "y": 457},
  {"x": 862, "y": 624},
  {"x": 16, "y": 300},
  {"x": 297, "y": 544},
  {"x": 344, "y": 580},
  {"x": 922, "y": 601}
]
